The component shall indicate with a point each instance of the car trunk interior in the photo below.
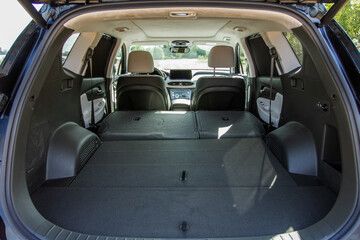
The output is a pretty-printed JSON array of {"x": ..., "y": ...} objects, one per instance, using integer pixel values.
[
  {"x": 192, "y": 173},
  {"x": 176, "y": 188}
]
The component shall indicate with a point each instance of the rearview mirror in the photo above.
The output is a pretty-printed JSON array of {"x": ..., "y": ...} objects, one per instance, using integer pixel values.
[{"x": 179, "y": 50}]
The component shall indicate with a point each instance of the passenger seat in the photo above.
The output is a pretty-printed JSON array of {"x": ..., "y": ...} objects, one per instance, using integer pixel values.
[
  {"x": 141, "y": 91},
  {"x": 218, "y": 93}
]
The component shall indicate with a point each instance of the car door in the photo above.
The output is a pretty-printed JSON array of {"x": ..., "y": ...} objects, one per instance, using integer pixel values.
[
  {"x": 95, "y": 88},
  {"x": 262, "y": 86}
]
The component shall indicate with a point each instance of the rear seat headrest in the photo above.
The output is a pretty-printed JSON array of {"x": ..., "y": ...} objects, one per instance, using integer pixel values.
[
  {"x": 140, "y": 62},
  {"x": 221, "y": 57}
]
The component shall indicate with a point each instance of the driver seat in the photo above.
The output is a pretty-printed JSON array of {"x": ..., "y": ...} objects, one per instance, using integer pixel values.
[{"x": 139, "y": 90}]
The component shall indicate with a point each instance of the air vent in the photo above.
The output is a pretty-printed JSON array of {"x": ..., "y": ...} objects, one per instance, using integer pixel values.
[
  {"x": 88, "y": 151},
  {"x": 181, "y": 83}
]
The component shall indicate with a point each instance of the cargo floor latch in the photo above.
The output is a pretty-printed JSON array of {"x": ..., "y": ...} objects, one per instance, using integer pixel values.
[
  {"x": 184, "y": 226},
  {"x": 183, "y": 176}
]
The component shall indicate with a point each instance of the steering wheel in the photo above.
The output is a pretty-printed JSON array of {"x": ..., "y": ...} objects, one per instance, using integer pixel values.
[{"x": 159, "y": 72}]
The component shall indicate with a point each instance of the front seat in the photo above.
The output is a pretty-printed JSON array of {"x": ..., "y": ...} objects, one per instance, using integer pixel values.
[
  {"x": 139, "y": 90},
  {"x": 219, "y": 92}
]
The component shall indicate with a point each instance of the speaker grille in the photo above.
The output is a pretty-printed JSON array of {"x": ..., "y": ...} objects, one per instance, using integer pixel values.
[{"x": 88, "y": 151}]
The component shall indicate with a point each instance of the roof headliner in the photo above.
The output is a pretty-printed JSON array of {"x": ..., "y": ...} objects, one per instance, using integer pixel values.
[{"x": 155, "y": 24}]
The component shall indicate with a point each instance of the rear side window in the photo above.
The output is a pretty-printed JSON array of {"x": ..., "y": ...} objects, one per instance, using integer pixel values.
[
  {"x": 68, "y": 46},
  {"x": 2, "y": 54},
  {"x": 243, "y": 63},
  {"x": 118, "y": 61},
  {"x": 261, "y": 55},
  {"x": 295, "y": 45}
]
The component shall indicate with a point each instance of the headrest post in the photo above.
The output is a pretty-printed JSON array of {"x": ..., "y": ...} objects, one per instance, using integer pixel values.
[{"x": 214, "y": 71}]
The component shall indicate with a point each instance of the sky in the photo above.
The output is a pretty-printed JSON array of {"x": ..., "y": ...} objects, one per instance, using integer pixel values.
[{"x": 13, "y": 19}]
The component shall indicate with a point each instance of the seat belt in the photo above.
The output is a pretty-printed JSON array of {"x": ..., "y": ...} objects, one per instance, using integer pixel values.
[
  {"x": 89, "y": 55},
  {"x": 274, "y": 57}
]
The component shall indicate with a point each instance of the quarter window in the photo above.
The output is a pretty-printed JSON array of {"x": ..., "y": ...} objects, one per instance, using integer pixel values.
[
  {"x": 295, "y": 45},
  {"x": 243, "y": 63},
  {"x": 117, "y": 62},
  {"x": 68, "y": 46}
]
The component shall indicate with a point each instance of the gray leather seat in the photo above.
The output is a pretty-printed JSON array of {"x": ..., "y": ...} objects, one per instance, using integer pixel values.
[
  {"x": 219, "y": 92},
  {"x": 140, "y": 91}
]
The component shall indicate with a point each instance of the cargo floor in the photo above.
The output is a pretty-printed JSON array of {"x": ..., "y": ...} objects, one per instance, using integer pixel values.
[{"x": 220, "y": 188}]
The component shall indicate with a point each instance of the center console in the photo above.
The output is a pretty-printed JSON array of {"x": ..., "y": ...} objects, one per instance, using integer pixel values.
[
  {"x": 180, "y": 87},
  {"x": 180, "y": 99},
  {"x": 180, "y": 94}
]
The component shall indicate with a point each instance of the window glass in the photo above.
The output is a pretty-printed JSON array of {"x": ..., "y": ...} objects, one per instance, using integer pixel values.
[
  {"x": 295, "y": 45},
  {"x": 117, "y": 62},
  {"x": 243, "y": 63},
  {"x": 3, "y": 53},
  {"x": 68, "y": 46},
  {"x": 196, "y": 59}
]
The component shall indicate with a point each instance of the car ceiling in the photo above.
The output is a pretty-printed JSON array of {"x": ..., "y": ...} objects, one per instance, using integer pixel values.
[{"x": 213, "y": 24}]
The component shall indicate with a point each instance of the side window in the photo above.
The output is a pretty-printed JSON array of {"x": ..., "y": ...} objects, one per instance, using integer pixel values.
[
  {"x": 295, "y": 45},
  {"x": 2, "y": 54},
  {"x": 68, "y": 46},
  {"x": 243, "y": 63},
  {"x": 118, "y": 61}
]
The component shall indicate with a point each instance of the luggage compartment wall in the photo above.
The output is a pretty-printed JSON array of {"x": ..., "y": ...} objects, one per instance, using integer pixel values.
[
  {"x": 58, "y": 102},
  {"x": 307, "y": 101}
]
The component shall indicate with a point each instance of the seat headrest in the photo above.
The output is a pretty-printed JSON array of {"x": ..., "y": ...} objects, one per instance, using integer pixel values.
[
  {"x": 140, "y": 62},
  {"x": 221, "y": 57}
]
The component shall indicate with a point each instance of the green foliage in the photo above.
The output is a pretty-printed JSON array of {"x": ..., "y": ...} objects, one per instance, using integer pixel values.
[
  {"x": 163, "y": 52},
  {"x": 157, "y": 53},
  {"x": 1, "y": 61},
  {"x": 349, "y": 19},
  {"x": 295, "y": 45},
  {"x": 137, "y": 48}
]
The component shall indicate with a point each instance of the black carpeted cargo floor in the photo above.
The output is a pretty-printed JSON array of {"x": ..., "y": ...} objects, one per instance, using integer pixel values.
[{"x": 233, "y": 187}]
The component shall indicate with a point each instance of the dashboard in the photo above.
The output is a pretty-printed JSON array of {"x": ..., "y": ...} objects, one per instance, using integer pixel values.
[{"x": 181, "y": 84}]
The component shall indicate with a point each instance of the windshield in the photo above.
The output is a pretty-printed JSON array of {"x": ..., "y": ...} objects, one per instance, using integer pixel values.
[{"x": 196, "y": 59}]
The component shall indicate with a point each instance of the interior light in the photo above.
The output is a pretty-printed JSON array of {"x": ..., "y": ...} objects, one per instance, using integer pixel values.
[
  {"x": 227, "y": 39},
  {"x": 122, "y": 29},
  {"x": 183, "y": 14},
  {"x": 240, "y": 29}
]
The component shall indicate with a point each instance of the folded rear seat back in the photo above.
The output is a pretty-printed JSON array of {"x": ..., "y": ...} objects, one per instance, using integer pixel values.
[
  {"x": 228, "y": 124},
  {"x": 151, "y": 125},
  {"x": 146, "y": 125}
]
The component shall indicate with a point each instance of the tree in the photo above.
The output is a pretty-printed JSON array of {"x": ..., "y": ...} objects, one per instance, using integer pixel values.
[
  {"x": 349, "y": 19},
  {"x": 137, "y": 48},
  {"x": 158, "y": 53}
]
